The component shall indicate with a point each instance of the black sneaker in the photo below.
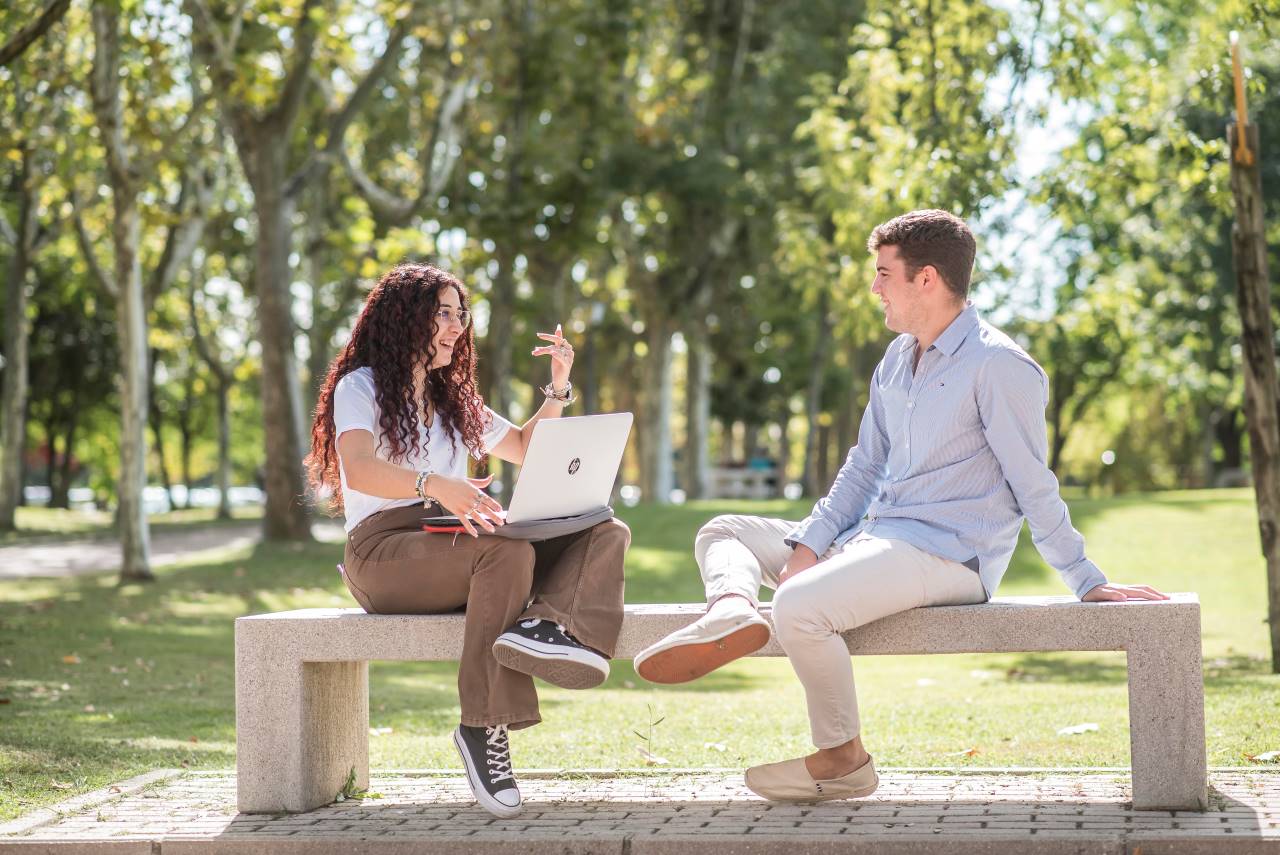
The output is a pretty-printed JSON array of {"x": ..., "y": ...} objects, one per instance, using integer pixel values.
[
  {"x": 486, "y": 754},
  {"x": 544, "y": 650}
]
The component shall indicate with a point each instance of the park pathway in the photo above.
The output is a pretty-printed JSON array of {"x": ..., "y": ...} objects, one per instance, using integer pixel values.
[
  {"x": 78, "y": 555},
  {"x": 979, "y": 812}
]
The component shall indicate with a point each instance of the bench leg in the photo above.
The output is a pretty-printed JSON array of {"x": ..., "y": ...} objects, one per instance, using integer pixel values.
[
  {"x": 1166, "y": 722},
  {"x": 301, "y": 727}
]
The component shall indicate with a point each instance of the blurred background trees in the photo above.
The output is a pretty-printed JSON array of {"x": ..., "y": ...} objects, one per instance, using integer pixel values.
[{"x": 687, "y": 187}]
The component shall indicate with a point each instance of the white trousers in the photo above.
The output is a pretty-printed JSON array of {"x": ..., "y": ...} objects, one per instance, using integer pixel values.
[{"x": 866, "y": 579}]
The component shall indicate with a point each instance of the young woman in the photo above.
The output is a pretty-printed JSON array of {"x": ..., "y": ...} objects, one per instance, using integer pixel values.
[{"x": 397, "y": 418}]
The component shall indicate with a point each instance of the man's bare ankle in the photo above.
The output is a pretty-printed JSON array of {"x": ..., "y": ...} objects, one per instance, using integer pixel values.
[{"x": 829, "y": 763}]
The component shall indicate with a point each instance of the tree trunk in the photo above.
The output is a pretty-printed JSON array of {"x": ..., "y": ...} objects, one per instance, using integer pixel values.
[
  {"x": 846, "y": 434},
  {"x": 224, "y": 450},
  {"x": 698, "y": 436},
  {"x": 286, "y": 516},
  {"x": 814, "y": 470},
  {"x": 1231, "y": 437},
  {"x": 186, "y": 431},
  {"x": 784, "y": 452},
  {"x": 824, "y": 460},
  {"x": 318, "y": 332},
  {"x": 60, "y": 490},
  {"x": 657, "y": 480},
  {"x": 131, "y": 320},
  {"x": 131, "y": 313},
  {"x": 498, "y": 340},
  {"x": 13, "y": 399},
  {"x": 1253, "y": 296},
  {"x": 156, "y": 421}
]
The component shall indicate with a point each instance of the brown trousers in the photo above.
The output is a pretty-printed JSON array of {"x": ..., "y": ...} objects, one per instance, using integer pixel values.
[{"x": 394, "y": 567}]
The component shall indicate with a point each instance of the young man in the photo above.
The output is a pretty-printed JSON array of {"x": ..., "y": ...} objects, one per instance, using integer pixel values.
[{"x": 925, "y": 511}]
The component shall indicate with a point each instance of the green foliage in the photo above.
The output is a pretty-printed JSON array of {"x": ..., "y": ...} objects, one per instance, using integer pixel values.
[{"x": 639, "y": 170}]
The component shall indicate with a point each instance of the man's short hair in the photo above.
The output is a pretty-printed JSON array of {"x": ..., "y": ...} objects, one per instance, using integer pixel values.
[{"x": 933, "y": 237}]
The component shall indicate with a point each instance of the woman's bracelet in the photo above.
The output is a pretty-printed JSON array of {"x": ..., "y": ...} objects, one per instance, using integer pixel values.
[
  {"x": 565, "y": 398},
  {"x": 420, "y": 487}
]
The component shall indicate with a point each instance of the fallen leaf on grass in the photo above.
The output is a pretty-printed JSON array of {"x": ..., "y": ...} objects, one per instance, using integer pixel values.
[
  {"x": 60, "y": 785},
  {"x": 71, "y": 659},
  {"x": 1074, "y": 729},
  {"x": 714, "y": 746},
  {"x": 4, "y": 701},
  {"x": 651, "y": 759},
  {"x": 1264, "y": 757},
  {"x": 89, "y": 708},
  {"x": 971, "y": 751},
  {"x": 193, "y": 739}
]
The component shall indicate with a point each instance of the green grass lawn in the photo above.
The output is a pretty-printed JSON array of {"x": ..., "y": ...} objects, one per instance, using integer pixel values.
[
  {"x": 99, "y": 682},
  {"x": 39, "y": 525}
]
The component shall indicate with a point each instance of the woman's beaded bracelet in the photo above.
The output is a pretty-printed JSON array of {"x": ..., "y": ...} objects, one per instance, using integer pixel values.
[
  {"x": 420, "y": 485},
  {"x": 566, "y": 397}
]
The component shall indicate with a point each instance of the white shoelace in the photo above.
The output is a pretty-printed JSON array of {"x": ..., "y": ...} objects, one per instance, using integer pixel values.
[
  {"x": 499, "y": 752},
  {"x": 533, "y": 622}
]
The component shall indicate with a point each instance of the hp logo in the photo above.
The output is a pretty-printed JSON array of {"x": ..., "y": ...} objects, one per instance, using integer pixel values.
[{"x": 574, "y": 465}]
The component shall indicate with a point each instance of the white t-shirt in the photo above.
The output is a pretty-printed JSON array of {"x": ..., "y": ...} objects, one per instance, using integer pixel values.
[{"x": 355, "y": 407}]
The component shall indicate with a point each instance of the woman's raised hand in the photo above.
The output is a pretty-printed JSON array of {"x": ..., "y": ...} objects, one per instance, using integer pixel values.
[
  {"x": 561, "y": 353},
  {"x": 466, "y": 499}
]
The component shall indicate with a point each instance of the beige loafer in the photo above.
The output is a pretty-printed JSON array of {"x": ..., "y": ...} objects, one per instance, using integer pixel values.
[
  {"x": 702, "y": 647},
  {"x": 790, "y": 781}
]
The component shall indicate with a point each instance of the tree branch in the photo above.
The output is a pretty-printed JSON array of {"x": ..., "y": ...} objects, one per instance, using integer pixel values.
[
  {"x": 286, "y": 110},
  {"x": 446, "y": 137},
  {"x": 7, "y": 232},
  {"x": 183, "y": 238},
  {"x": 342, "y": 119},
  {"x": 25, "y": 37},
  {"x": 437, "y": 161},
  {"x": 386, "y": 205},
  {"x": 208, "y": 36},
  {"x": 219, "y": 370},
  {"x": 105, "y": 86},
  {"x": 96, "y": 270}
]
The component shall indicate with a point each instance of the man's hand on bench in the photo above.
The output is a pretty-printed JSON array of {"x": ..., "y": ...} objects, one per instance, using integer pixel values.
[{"x": 1114, "y": 592}]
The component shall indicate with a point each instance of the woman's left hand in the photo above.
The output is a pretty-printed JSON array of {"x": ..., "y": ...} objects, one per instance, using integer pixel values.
[{"x": 561, "y": 353}]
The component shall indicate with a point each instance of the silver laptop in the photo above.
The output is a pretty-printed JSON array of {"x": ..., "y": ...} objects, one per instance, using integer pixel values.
[{"x": 569, "y": 467}]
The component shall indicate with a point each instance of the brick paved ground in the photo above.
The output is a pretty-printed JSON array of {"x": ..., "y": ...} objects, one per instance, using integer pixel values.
[{"x": 681, "y": 813}]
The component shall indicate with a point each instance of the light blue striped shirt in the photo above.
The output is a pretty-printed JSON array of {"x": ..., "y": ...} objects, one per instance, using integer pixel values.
[{"x": 951, "y": 458}]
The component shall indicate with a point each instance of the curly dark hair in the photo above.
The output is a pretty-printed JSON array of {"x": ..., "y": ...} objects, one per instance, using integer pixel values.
[{"x": 393, "y": 333}]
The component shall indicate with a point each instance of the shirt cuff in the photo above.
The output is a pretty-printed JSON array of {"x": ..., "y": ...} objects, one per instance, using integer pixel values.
[
  {"x": 1082, "y": 577},
  {"x": 814, "y": 532}
]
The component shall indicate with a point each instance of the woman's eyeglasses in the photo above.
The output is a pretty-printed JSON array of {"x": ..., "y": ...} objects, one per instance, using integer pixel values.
[{"x": 448, "y": 316}]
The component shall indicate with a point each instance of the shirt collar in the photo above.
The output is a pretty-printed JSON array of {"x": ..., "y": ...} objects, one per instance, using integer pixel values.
[{"x": 955, "y": 333}]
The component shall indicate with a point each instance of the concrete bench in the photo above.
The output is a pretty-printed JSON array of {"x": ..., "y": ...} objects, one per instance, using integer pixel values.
[{"x": 302, "y": 681}]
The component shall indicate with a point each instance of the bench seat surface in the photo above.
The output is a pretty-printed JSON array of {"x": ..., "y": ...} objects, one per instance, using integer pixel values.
[{"x": 1005, "y": 624}]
